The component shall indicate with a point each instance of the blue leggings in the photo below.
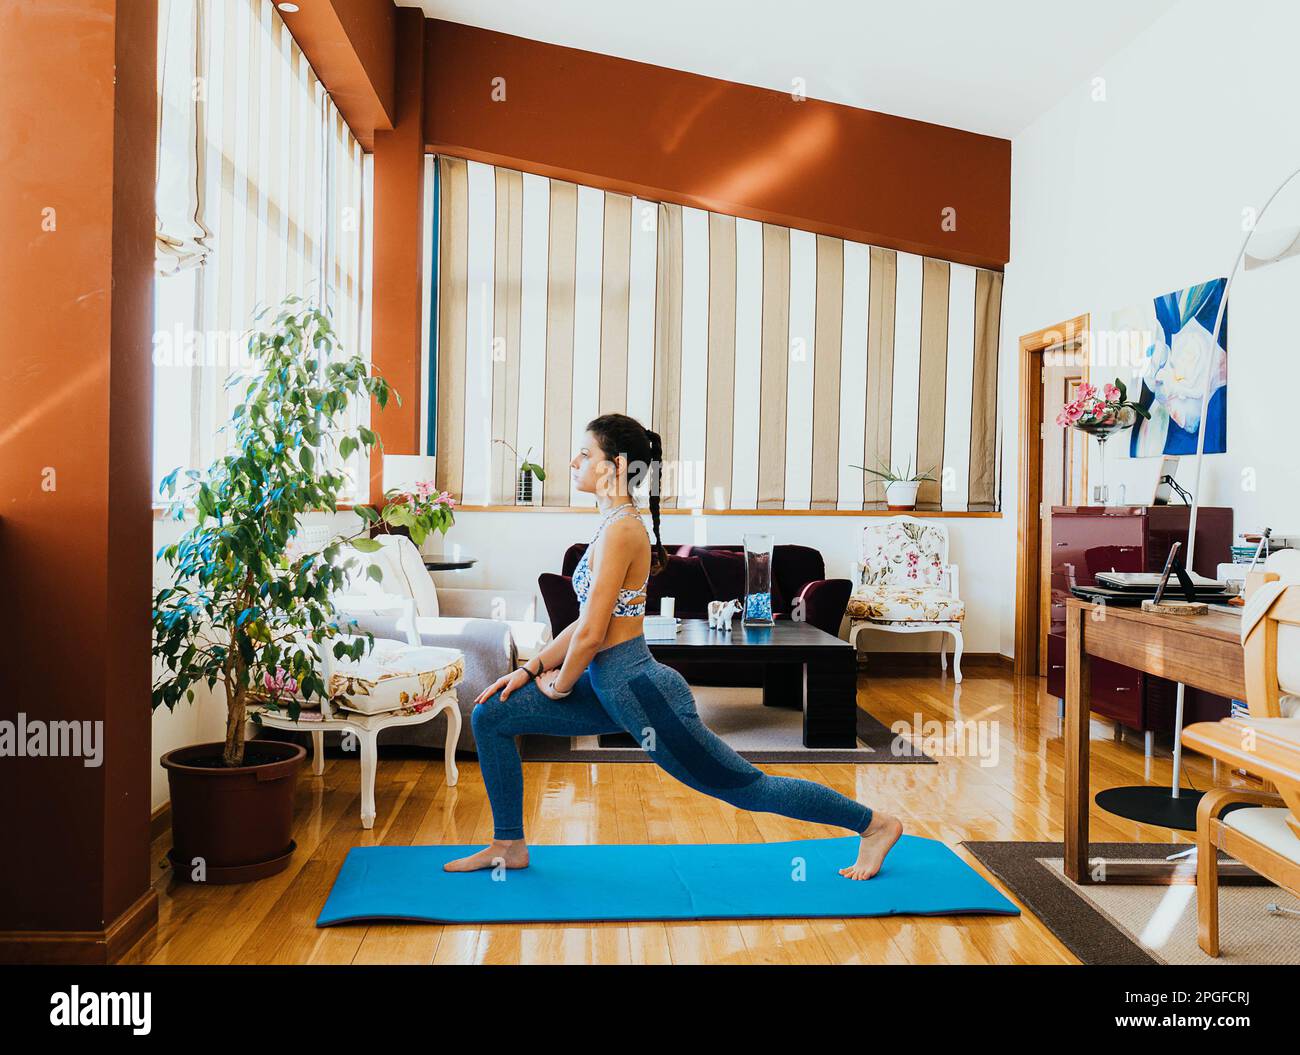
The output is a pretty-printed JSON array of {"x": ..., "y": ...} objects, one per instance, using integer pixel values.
[{"x": 624, "y": 689}]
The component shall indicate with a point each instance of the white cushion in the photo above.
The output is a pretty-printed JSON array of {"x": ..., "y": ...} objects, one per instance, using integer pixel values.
[
  {"x": 1269, "y": 826},
  {"x": 402, "y": 571},
  {"x": 530, "y": 638},
  {"x": 395, "y": 676},
  {"x": 359, "y": 582},
  {"x": 416, "y": 574},
  {"x": 452, "y": 625}
]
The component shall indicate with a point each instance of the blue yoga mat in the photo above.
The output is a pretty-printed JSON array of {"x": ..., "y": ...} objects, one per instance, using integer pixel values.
[{"x": 658, "y": 882}]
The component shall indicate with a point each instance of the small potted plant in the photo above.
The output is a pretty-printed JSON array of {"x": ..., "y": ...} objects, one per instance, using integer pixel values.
[
  {"x": 1101, "y": 415},
  {"x": 524, "y": 475},
  {"x": 416, "y": 513},
  {"x": 419, "y": 512},
  {"x": 248, "y": 609},
  {"x": 900, "y": 485}
]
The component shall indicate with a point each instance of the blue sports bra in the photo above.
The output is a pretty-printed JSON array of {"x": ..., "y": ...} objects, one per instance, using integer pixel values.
[{"x": 626, "y": 603}]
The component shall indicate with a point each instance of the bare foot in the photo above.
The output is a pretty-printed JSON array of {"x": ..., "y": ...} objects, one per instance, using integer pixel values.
[
  {"x": 510, "y": 853},
  {"x": 875, "y": 843}
]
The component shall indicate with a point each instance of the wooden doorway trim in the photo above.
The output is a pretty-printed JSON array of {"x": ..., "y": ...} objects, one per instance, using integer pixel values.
[{"x": 1028, "y": 532}]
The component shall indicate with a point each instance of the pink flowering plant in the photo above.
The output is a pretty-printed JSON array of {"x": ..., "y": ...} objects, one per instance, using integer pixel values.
[
  {"x": 280, "y": 685},
  {"x": 1101, "y": 413},
  {"x": 422, "y": 511}
]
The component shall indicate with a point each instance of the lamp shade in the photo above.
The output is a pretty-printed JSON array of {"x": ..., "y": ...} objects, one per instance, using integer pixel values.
[{"x": 403, "y": 471}]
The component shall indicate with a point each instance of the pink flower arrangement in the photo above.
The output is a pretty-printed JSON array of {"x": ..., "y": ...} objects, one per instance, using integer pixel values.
[
  {"x": 425, "y": 489},
  {"x": 1103, "y": 413},
  {"x": 421, "y": 511}
]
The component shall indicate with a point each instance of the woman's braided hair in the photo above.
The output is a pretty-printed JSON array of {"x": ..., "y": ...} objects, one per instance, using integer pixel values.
[{"x": 644, "y": 450}]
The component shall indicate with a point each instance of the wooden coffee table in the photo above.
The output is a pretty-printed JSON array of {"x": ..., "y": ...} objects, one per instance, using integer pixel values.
[{"x": 803, "y": 667}]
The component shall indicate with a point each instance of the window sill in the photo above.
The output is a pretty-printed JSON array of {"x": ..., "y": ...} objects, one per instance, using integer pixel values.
[
  {"x": 160, "y": 511},
  {"x": 924, "y": 514}
]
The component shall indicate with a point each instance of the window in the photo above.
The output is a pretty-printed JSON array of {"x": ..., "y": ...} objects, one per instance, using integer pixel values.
[
  {"x": 261, "y": 194},
  {"x": 770, "y": 360}
]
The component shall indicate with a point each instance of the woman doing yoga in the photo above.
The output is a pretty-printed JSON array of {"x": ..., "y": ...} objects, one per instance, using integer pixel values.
[{"x": 598, "y": 676}]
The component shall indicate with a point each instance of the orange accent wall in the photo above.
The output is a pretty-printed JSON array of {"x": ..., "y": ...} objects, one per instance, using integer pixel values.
[
  {"x": 673, "y": 136},
  {"x": 398, "y": 263},
  {"x": 351, "y": 45},
  {"x": 77, "y": 124}
]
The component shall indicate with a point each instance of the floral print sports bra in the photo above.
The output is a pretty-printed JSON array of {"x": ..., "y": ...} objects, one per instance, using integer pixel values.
[{"x": 627, "y": 603}]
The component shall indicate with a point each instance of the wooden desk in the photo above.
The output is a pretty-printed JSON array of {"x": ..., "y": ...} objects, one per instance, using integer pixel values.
[{"x": 1203, "y": 652}]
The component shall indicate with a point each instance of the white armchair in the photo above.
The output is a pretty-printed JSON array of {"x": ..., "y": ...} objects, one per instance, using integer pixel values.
[
  {"x": 905, "y": 585},
  {"x": 445, "y": 610},
  {"x": 489, "y": 627}
]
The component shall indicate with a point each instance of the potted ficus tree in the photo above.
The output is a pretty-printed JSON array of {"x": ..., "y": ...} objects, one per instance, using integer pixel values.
[
  {"x": 901, "y": 485},
  {"x": 249, "y": 611}
]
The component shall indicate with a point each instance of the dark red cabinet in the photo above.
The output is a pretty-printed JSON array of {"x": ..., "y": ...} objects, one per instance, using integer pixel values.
[{"x": 1089, "y": 539}]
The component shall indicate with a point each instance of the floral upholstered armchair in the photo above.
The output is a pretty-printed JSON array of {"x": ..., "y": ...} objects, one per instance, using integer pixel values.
[{"x": 904, "y": 584}]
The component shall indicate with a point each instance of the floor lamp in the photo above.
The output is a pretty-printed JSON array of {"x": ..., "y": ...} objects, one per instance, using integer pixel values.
[{"x": 1171, "y": 807}]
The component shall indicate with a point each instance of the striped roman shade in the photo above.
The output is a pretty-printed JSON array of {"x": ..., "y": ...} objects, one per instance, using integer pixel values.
[{"x": 771, "y": 360}]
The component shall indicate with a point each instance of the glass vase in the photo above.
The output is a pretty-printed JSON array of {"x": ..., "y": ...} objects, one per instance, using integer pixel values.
[
  {"x": 758, "y": 580},
  {"x": 524, "y": 488},
  {"x": 1101, "y": 433},
  {"x": 1101, "y": 493}
]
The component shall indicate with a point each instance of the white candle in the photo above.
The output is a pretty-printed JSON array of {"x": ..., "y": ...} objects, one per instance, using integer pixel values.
[{"x": 667, "y": 605}]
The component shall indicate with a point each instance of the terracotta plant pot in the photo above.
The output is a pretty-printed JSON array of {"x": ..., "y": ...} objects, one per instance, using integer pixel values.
[
  {"x": 901, "y": 494},
  {"x": 232, "y": 825}
]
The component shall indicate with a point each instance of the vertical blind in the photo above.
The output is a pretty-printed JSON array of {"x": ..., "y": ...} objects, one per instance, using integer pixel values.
[
  {"x": 771, "y": 360},
  {"x": 258, "y": 170}
]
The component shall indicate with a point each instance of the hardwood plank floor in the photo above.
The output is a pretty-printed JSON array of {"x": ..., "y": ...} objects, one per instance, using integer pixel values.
[{"x": 963, "y": 797}]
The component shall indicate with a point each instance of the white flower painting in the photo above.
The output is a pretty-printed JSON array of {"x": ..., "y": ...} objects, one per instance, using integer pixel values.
[{"x": 1173, "y": 353}]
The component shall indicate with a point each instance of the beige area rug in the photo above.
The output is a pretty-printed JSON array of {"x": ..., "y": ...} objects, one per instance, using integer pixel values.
[{"x": 1126, "y": 924}]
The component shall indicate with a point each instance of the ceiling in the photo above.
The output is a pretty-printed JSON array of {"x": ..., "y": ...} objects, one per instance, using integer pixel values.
[{"x": 990, "y": 67}]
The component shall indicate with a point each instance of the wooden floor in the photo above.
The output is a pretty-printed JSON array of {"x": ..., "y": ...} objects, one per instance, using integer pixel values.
[{"x": 1019, "y": 798}]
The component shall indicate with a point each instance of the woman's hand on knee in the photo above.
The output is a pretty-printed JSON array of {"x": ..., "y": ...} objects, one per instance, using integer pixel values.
[{"x": 506, "y": 684}]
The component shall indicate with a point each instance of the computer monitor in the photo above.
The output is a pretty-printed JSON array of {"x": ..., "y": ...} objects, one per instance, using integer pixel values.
[{"x": 1164, "y": 478}]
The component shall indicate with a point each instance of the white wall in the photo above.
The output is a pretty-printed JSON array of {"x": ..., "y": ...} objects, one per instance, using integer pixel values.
[{"x": 1116, "y": 201}]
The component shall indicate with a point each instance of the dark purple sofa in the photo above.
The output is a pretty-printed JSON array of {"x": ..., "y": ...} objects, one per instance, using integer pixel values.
[{"x": 696, "y": 575}]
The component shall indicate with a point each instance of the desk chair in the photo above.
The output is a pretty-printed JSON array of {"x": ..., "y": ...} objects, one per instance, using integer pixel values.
[{"x": 1266, "y": 838}]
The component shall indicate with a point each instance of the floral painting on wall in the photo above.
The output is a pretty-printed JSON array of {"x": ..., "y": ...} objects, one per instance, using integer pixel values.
[{"x": 1171, "y": 348}]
